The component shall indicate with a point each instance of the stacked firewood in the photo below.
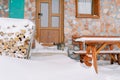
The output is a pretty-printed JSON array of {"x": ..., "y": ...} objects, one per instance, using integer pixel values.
[{"x": 15, "y": 41}]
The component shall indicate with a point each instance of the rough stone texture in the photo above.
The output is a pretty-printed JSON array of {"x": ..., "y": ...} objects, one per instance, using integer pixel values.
[
  {"x": 118, "y": 2},
  {"x": 3, "y": 8},
  {"x": 30, "y": 9},
  {"x": 107, "y": 25}
]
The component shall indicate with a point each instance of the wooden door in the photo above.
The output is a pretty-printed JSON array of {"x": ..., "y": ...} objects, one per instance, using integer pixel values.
[{"x": 50, "y": 21}]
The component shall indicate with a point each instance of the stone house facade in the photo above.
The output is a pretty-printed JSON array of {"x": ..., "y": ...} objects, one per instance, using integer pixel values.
[{"x": 107, "y": 25}]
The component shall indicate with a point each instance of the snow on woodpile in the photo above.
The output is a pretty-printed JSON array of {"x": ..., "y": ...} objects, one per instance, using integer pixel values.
[{"x": 15, "y": 37}]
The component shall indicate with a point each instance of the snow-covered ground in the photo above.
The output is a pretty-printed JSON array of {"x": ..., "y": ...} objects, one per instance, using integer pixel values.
[
  {"x": 108, "y": 71},
  {"x": 55, "y": 67},
  {"x": 44, "y": 49},
  {"x": 76, "y": 70}
]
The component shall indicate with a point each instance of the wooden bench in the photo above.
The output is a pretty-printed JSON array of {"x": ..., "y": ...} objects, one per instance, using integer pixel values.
[
  {"x": 114, "y": 54},
  {"x": 80, "y": 46}
]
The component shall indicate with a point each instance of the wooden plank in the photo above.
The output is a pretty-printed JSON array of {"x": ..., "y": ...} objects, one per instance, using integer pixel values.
[
  {"x": 38, "y": 8},
  {"x": 43, "y": 0},
  {"x": 56, "y": 15},
  {"x": 113, "y": 59},
  {"x": 62, "y": 21},
  {"x": 96, "y": 8},
  {"x": 81, "y": 56},
  {"x": 87, "y": 60},
  {"x": 88, "y": 49},
  {"x": 118, "y": 57},
  {"x": 118, "y": 44},
  {"x": 94, "y": 56},
  {"x": 101, "y": 48}
]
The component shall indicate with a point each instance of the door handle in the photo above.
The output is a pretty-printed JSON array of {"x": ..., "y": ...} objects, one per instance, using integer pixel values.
[{"x": 40, "y": 14}]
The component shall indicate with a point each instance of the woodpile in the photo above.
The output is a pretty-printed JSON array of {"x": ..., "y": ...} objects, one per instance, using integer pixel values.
[{"x": 15, "y": 40}]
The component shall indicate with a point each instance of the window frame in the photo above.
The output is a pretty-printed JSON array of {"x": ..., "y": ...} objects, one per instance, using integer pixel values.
[{"x": 95, "y": 10}]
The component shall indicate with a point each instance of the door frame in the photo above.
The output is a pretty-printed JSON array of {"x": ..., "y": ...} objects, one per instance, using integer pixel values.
[{"x": 61, "y": 21}]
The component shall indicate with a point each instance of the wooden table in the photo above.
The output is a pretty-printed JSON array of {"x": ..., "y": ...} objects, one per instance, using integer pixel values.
[{"x": 96, "y": 43}]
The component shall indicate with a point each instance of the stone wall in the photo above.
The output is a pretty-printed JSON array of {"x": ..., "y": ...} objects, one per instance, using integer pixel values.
[
  {"x": 107, "y": 25},
  {"x": 3, "y": 8},
  {"x": 30, "y": 9}
]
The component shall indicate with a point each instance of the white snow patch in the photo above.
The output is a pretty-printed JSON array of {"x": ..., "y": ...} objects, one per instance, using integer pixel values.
[
  {"x": 44, "y": 49},
  {"x": 49, "y": 68},
  {"x": 57, "y": 67}
]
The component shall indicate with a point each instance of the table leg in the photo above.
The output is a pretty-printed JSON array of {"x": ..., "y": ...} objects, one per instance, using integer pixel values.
[
  {"x": 94, "y": 55},
  {"x": 118, "y": 44},
  {"x": 88, "y": 49},
  {"x": 118, "y": 58},
  {"x": 87, "y": 58},
  {"x": 118, "y": 55},
  {"x": 112, "y": 56},
  {"x": 81, "y": 55},
  {"x": 81, "y": 58}
]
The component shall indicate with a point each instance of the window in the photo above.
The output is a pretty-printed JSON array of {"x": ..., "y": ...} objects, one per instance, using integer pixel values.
[{"x": 88, "y": 8}]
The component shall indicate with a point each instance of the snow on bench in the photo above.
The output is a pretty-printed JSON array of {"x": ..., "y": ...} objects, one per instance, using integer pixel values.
[
  {"x": 83, "y": 39},
  {"x": 103, "y": 51}
]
